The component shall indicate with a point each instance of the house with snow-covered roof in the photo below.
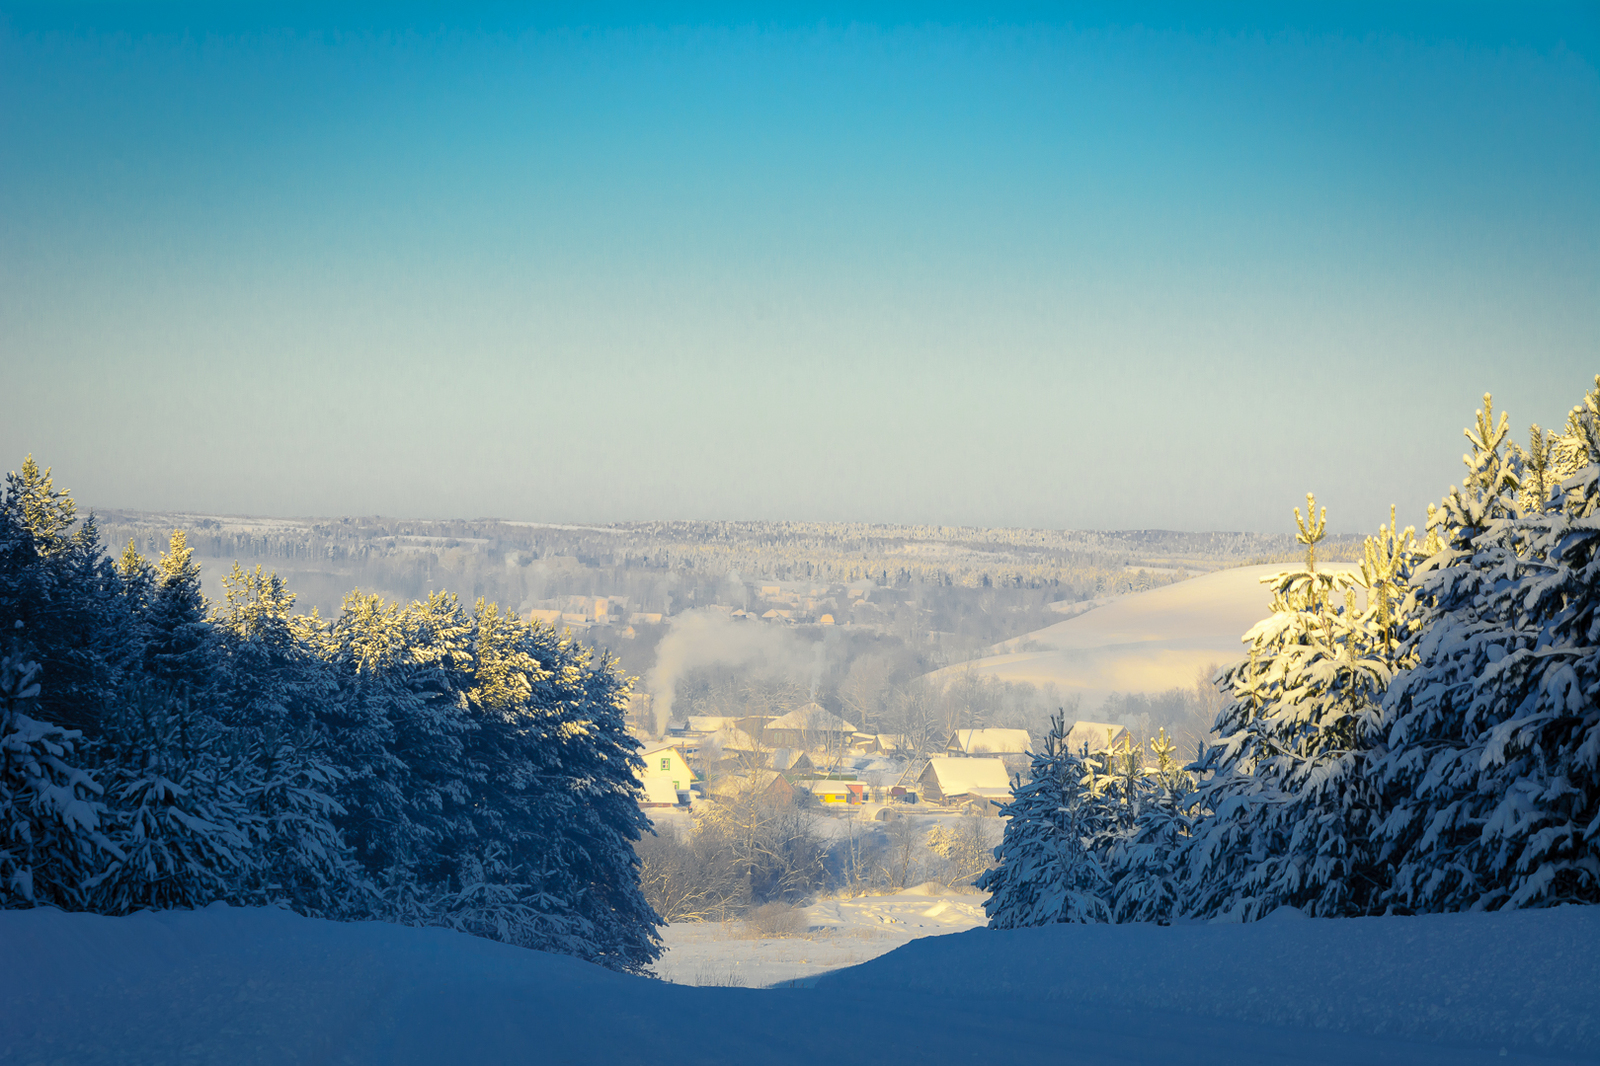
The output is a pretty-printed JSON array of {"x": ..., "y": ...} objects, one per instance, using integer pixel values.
[
  {"x": 1095, "y": 736},
  {"x": 954, "y": 778},
  {"x": 988, "y": 742},
  {"x": 811, "y": 726}
]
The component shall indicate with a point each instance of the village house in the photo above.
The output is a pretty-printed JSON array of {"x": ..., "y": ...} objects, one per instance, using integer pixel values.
[
  {"x": 666, "y": 776},
  {"x": 951, "y": 780},
  {"x": 1094, "y": 736},
  {"x": 810, "y": 727},
  {"x": 1010, "y": 745},
  {"x": 791, "y": 761},
  {"x": 835, "y": 794},
  {"x": 988, "y": 742},
  {"x": 769, "y": 785}
]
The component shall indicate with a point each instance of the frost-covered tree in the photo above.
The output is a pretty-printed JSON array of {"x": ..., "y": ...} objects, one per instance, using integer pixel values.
[
  {"x": 51, "y": 839},
  {"x": 273, "y": 693},
  {"x": 177, "y": 810},
  {"x": 60, "y": 598},
  {"x": 1292, "y": 804},
  {"x": 1144, "y": 859},
  {"x": 421, "y": 763},
  {"x": 511, "y": 799},
  {"x": 1493, "y": 768},
  {"x": 398, "y": 746},
  {"x": 1047, "y": 870}
]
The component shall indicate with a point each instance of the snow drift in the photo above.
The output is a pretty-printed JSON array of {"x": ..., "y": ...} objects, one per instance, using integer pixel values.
[{"x": 229, "y": 985}]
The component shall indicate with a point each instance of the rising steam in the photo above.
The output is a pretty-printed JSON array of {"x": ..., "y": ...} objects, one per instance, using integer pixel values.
[{"x": 705, "y": 638}]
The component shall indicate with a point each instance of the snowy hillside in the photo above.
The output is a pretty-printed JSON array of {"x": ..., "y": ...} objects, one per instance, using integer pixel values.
[
  {"x": 226, "y": 985},
  {"x": 1143, "y": 642}
]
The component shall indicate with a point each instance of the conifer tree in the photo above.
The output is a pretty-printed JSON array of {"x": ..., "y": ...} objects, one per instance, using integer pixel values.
[
  {"x": 50, "y": 809},
  {"x": 1494, "y": 734},
  {"x": 1047, "y": 870},
  {"x": 177, "y": 808},
  {"x": 274, "y": 691},
  {"x": 1144, "y": 860},
  {"x": 1291, "y": 799}
]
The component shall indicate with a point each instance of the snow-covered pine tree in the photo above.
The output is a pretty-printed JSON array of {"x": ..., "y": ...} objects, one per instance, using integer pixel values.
[
  {"x": 397, "y": 739},
  {"x": 1291, "y": 798},
  {"x": 174, "y": 772},
  {"x": 177, "y": 809},
  {"x": 1144, "y": 860},
  {"x": 1493, "y": 769},
  {"x": 512, "y": 785},
  {"x": 1047, "y": 872},
  {"x": 558, "y": 787},
  {"x": 274, "y": 693},
  {"x": 60, "y": 598},
  {"x": 180, "y": 646},
  {"x": 51, "y": 840}
]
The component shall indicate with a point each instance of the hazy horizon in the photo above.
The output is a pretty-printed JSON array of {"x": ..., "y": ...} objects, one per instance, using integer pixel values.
[{"x": 1083, "y": 271}]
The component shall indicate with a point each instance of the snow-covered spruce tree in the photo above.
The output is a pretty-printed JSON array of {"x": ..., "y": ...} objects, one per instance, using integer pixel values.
[
  {"x": 1291, "y": 801},
  {"x": 1493, "y": 768},
  {"x": 175, "y": 774},
  {"x": 512, "y": 799},
  {"x": 560, "y": 782},
  {"x": 176, "y": 809},
  {"x": 399, "y": 750},
  {"x": 60, "y": 598},
  {"x": 1047, "y": 871},
  {"x": 50, "y": 809},
  {"x": 274, "y": 693},
  {"x": 1143, "y": 860}
]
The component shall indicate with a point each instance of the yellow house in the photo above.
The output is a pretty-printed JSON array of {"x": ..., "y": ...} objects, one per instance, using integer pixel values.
[{"x": 666, "y": 776}]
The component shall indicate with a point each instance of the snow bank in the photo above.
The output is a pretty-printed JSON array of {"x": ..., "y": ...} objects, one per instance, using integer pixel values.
[
  {"x": 232, "y": 986},
  {"x": 1522, "y": 978}
]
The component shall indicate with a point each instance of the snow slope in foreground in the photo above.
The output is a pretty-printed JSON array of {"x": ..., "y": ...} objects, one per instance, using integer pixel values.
[{"x": 226, "y": 985}]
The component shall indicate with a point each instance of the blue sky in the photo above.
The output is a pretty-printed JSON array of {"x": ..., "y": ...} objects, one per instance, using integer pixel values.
[{"x": 1083, "y": 266}]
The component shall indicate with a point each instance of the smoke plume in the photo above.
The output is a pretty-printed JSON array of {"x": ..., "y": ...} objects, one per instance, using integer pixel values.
[{"x": 706, "y": 638}]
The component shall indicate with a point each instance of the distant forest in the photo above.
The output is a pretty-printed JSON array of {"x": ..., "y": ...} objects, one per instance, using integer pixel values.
[{"x": 930, "y": 596}]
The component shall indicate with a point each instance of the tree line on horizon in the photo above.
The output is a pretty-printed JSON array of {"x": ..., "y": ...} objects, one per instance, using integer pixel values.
[
  {"x": 427, "y": 764},
  {"x": 1420, "y": 737}
]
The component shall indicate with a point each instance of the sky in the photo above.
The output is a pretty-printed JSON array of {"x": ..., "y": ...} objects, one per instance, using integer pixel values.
[{"x": 1070, "y": 266}]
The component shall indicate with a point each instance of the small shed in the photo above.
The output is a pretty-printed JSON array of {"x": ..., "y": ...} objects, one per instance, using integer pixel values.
[{"x": 835, "y": 793}]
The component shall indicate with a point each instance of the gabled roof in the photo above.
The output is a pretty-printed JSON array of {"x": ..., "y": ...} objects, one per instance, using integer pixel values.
[
  {"x": 661, "y": 745},
  {"x": 734, "y": 739},
  {"x": 958, "y": 776},
  {"x": 991, "y": 741},
  {"x": 812, "y": 718},
  {"x": 709, "y": 723},
  {"x": 790, "y": 759},
  {"x": 1095, "y": 735}
]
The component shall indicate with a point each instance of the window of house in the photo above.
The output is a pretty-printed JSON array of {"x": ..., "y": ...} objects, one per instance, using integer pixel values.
[{"x": 666, "y": 764}]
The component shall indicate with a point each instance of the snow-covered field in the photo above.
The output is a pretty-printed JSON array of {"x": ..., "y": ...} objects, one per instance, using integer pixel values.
[
  {"x": 1143, "y": 642},
  {"x": 838, "y": 933},
  {"x": 226, "y": 985}
]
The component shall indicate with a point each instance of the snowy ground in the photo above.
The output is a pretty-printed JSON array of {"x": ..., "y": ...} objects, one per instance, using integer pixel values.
[
  {"x": 232, "y": 986},
  {"x": 1141, "y": 642},
  {"x": 839, "y": 933}
]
